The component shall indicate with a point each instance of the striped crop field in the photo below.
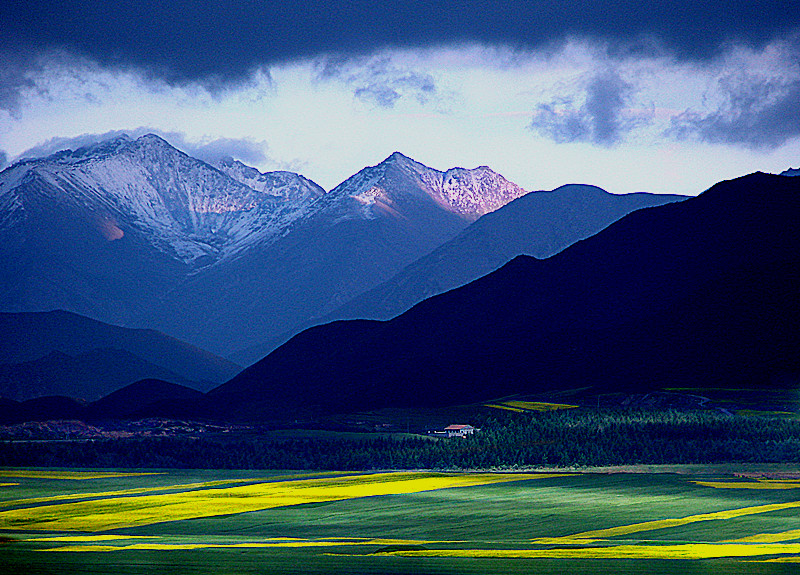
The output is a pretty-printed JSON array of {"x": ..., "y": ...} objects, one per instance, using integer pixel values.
[
  {"x": 70, "y": 475},
  {"x": 521, "y": 406},
  {"x": 120, "y": 510},
  {"x": 758, "y": 484},
  {"x": 398, "y": 522}
]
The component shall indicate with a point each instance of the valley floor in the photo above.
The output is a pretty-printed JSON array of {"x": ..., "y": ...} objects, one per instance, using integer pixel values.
[{"x": 690, "y": 519}]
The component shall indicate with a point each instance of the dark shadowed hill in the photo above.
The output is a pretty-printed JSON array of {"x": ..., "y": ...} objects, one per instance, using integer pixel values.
[
  {"x": 145, "y": 398},
  {"x": 86, "y": 376},
  {"x": 538, "y": 224},
  {"x": 68, "y": 354},
  {"x": 53, "y": 407},
  {"x": 697, "y": 293}
]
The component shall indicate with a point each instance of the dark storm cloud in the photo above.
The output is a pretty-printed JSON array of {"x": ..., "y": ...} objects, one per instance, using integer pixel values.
[
  {"x": 223, "y": 40},
  {"x": 3, "y": 160},
  {"x": 758, "y": 113},
  {"x": 377, "y": 80},
  {"x": 210, "y": 152},
  {"x": 12, "y": 80},
  {"x": 600, "y": 120}
]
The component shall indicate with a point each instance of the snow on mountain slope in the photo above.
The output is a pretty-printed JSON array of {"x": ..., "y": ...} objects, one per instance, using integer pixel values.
[
  {"x": 289, "y": 186},
  {"x": 183, "y": 205},
  {"x": 383, "y": 190},
  {"x": 349, "y": 240},
  {"x": 137, "y": 233}
]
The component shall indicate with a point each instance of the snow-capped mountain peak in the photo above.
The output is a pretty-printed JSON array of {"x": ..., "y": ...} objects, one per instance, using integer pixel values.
[
  {"x": 202, "y": 214},
  {"x": 183, "y": 205},
  {"x": 466, "y": 193}
]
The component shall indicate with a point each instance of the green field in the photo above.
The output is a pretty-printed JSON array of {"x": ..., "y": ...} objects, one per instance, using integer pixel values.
[{"x": 695, "y": 520}]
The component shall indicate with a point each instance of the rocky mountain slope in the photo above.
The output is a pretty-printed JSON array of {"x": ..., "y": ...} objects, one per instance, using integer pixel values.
[{"x": 349, "y": 240}]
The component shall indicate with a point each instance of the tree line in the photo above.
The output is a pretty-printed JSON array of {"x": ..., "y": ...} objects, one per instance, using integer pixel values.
[{"x": 560, "y": 438}]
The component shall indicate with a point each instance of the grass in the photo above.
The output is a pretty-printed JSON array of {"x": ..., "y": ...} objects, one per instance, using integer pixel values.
[
  {"x": 112, "y": 511},
  {"x": 413, "y": 522},
  {"x": 71, "y": 475},
  {"x": 758, "y": 484},
  {"x": 671, "y": 552},
  {"x": 522, "y": 406}
]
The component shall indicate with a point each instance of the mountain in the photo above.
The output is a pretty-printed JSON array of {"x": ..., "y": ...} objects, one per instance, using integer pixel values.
[
  {"x": 351, "y": 239},
  {"x": 700, "y": 293},
  {"x": 539, "y": 224},
  {"x": 145, "y": 398},
  {"x": 288, "y": 186},
  {"x": 139, "y": 234},
  {"x": 61, "y": 353},
  {"x": 41, "y": 409},
  {"x": 87, "y": 376},
  {"x": 137, "y": 400},
  {"x": 791, "y": 172},
  {"x": 105, "y": 230}
]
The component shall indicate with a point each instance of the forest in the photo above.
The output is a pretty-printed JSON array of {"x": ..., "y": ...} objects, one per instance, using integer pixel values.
[{"x": 578, "y": 437}]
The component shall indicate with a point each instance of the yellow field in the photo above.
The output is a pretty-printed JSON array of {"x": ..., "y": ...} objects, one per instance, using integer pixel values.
[
  {"x": 248, "y": 545},
  {"x": 83, "y": 523},
  {"x": 521, "y": 406},
  {"x": 769, "y": 537},
  {"x": 79, "y": 475},
  {"x": 666, "y": 523},
  {"x": 87, "y": 538},
  {"x": 686, "y": 551},
  {"x": 139, "y": 490},
  {"x": 758, "y": 484},
  {"x": 118, "y": 512},
  {"x": 506, "y": 407}
]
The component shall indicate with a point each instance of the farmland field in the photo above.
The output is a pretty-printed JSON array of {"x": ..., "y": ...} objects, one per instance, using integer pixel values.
[{"x": 700, "y": 520}]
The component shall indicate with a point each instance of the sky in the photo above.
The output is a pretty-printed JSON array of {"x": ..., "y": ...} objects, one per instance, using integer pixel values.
[{"x": 654, "y": 96}]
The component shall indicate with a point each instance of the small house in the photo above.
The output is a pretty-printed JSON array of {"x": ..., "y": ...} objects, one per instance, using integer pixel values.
[{"x": 459, "y": 430}]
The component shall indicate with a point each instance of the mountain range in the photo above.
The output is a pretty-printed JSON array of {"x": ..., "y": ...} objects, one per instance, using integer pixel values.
[
  {"x": 138, "y": 234},
  {"x": 352, "y": 238},
  {"x": 687, "y": 293},
  {"x": 538, "y": 224},
  {"x": 700, "y": 293}
]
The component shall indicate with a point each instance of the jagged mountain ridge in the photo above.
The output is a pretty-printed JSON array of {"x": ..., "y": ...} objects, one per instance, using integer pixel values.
[
  {"x": 384, "y": 188},
  {"x": 137, "y": 233},
  {"x": 107, "y": 230},
  {"x": 182, "y": 205},
  {"x": 351, "y": 239},
  {"x": 288, "y": 186}
]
